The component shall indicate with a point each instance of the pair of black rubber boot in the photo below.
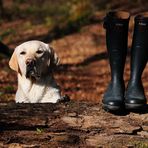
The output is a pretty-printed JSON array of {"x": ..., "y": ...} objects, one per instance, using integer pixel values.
[{"x": 116, "y": 25}]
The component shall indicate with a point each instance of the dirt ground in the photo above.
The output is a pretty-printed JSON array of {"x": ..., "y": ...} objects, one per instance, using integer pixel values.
[{"x": 83, "y": 74}]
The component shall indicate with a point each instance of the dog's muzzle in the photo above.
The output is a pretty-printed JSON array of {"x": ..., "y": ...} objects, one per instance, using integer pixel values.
[{"x": 31, "y": 69}]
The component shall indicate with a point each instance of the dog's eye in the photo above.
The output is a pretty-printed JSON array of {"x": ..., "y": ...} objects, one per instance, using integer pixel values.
[
  {"x": 23, "y": 53},
  {"x": 39, "y": 51}
]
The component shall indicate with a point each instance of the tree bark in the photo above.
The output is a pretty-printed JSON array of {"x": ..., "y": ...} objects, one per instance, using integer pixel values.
[{"x": 71, "y": 124}]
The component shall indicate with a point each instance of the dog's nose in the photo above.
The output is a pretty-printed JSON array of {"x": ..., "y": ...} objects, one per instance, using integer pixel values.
[{"x": 30, "y": 62}]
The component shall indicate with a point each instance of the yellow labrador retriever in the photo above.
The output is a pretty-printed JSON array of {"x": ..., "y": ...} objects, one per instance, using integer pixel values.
[{"x": 34, "y": 62}]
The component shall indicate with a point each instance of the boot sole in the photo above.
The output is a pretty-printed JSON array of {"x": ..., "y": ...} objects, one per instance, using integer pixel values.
[
  {"x": 134, "y": 106},
  {"x": 111, "y": 107}
]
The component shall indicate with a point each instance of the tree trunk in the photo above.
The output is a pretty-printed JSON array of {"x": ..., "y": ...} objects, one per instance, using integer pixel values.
[
  {"x": 71, "y": 124},
  {"x": 5, "y": 49},
  {"x": 1, "y": 9}
]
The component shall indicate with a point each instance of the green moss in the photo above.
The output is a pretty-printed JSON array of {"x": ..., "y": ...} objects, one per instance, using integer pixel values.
[
  {"x": 1, "y": 93},
  {"x": 39, "y": 130},
  {"x": 140, "y": 144},
  {"x": 9, "y": 89},
  {"x": 6, "y": 33},
  {"x": 27, "y": 25}
]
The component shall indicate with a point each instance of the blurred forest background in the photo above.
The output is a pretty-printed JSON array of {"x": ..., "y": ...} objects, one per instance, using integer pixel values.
[
  {"x": 22, "y": 18},
  {"x": 74, "y": 29}
]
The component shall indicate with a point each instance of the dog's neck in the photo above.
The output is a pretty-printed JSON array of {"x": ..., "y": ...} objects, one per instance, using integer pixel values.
[
  {"x": 46, "y": 79},
  {"x": 42, "y": 79},
  {"x": 35, "y": 91}
]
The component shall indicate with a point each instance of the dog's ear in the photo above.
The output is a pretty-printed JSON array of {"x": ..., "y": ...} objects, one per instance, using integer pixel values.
[
  {"x": 53, "y": 58},
  {"x": 13, "y": 63}
]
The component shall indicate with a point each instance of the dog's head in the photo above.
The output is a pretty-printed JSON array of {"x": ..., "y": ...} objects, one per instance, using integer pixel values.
[{"x": 33, "y": 59}]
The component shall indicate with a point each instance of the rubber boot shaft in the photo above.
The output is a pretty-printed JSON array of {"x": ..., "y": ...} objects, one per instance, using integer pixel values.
[
  {"x": 116, "y": 25},
  {"x": 135, "y": 96}
]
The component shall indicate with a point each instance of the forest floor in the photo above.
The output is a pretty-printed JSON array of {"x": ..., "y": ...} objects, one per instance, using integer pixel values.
[{"x": 83, "y": 75}]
